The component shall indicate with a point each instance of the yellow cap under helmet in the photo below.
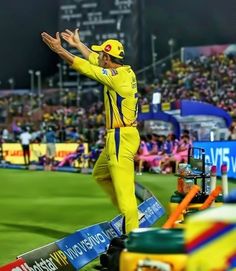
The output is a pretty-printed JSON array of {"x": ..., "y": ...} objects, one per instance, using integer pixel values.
[{"x": 111, "y": 47}]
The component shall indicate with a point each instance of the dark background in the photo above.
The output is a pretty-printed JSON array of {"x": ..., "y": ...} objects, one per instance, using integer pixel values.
[
  {"x": 21, "y": 48},
  {"x": 190, "y": 23}
]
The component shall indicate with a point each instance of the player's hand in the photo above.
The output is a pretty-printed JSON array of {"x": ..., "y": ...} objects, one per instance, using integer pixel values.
[
  {"x": 53, "y": 43},
  {"x": 71, "y": 37}
]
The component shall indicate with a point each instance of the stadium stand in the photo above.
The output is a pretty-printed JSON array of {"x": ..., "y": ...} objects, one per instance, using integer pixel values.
[{"x": 209, "y": 79}]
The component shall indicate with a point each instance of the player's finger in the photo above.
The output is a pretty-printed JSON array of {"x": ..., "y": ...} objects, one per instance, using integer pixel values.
[
  {"x": 65, "y": 38},
  {"x": 57, "y": 36},
  {"x": 46, "y": 35},
  {"x": 44, "y": 38},
  {"x": 65, "y": 35},
  {"x": 46, "y": 42},
  {"x": 43, "y": 35},
  {"x": 69, "y": 32},
  {"x": 47, "y": 38}
]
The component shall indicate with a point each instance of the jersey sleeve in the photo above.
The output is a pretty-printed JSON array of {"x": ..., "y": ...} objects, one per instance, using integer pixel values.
[
  {"x": 93, "y": 58},
  {"x": 94, "y": 72}
]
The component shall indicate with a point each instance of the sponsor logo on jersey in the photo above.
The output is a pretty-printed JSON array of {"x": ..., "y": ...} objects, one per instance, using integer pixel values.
[
  {"x": 104, "y": 71},
  {"x": 113, "y": 72},
  {"x": 108, "y": 48}
]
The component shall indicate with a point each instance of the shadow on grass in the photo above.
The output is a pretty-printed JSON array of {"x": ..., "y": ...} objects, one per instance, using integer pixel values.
[{"x": 37, "y": 229}]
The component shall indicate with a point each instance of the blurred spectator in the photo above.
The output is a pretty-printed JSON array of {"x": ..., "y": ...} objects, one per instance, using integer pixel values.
[
  {"x": 72, "y": 135},
  {"x": 232, "y": 135},
  {"x": 25, "y": 138},
  {"x": 77, "y": 155},
  {"x": 93, "y": 155},
  {"x": 50, "y": 138},
  {"x": 62, "y": 134},
  {"x": 210, "y": 79},
  {"x": 5, "y": 135}
]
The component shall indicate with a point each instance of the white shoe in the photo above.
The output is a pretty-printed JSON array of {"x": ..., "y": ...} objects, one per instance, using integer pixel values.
[{"x": 139, "y": 173}]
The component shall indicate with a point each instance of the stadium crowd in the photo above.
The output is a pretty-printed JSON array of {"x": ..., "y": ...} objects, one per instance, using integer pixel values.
[{"x": 209, "y": 79}]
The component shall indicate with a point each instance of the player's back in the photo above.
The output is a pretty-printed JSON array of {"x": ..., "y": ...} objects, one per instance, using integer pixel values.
[{"x": 121, "y": 99}]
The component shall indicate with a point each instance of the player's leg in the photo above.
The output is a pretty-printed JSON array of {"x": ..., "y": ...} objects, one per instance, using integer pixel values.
[
  {"x": 122, "y": 147},
  {"x": 24, "y": 153},
  {"x": 66, "y": 160},
  {"x": 123, "y": 181},
  {"x": 102, "y": 176},
  {"x": 53, "y": 151},
  {"x": 28, "y": 154},
  {"x": 48, "y": 156},
  {"x": 140, "y": 167}
]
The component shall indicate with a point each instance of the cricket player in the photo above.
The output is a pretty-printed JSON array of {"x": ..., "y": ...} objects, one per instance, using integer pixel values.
[{"x": 114, "y": 169}]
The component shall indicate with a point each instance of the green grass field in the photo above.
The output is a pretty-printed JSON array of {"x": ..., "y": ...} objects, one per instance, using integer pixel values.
[{"x": 38, "y": 207}]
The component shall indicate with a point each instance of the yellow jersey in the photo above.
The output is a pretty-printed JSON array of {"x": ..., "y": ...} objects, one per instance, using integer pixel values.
[{"x": 120, "y": 90}]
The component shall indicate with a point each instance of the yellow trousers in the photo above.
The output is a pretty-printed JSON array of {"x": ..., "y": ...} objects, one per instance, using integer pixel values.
[{"x": 114, "y": 172}]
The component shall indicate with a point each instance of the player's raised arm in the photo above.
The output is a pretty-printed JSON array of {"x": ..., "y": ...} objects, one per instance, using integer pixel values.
[
  {"x": 73, "y": 39},
  {"x": 55, "y": 45}
]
